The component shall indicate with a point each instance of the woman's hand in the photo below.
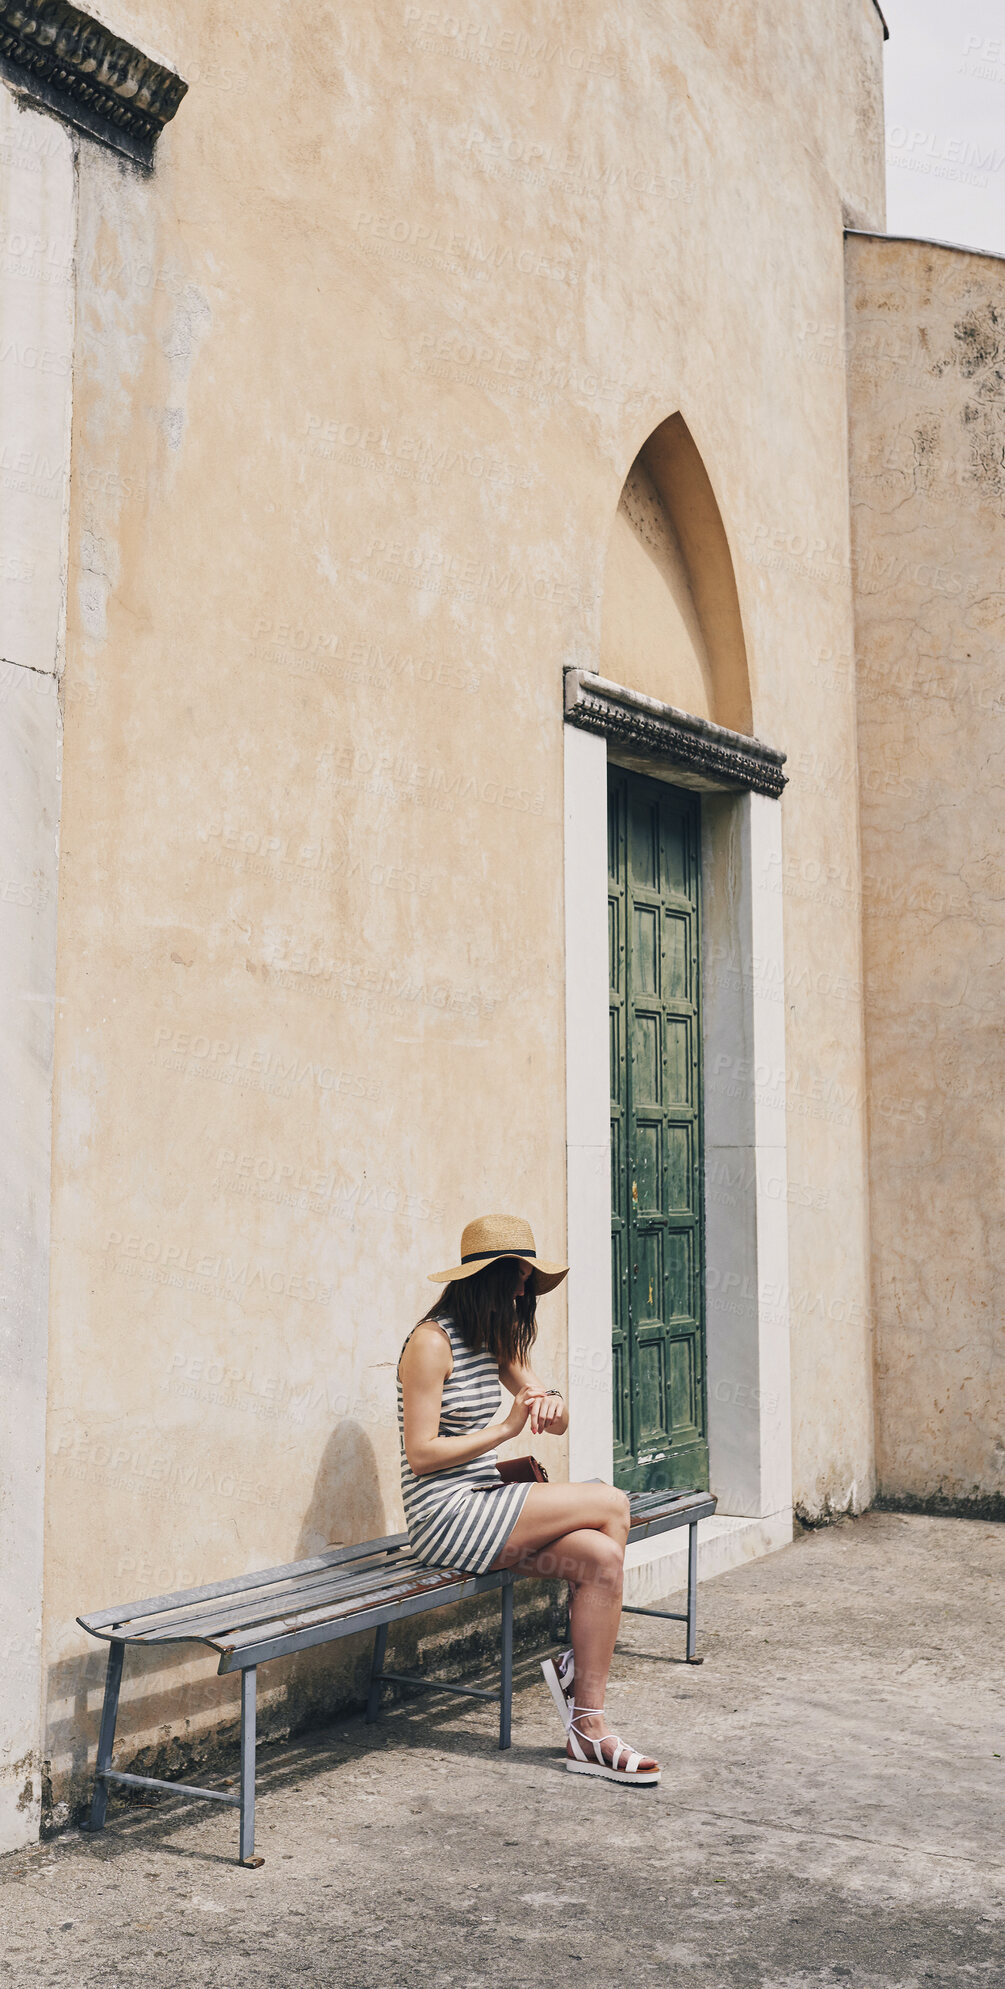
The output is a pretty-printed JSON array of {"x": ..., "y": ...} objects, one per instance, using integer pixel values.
[
  {"x": 522, "y": 1409},
  {"x": 545, "y": 1412},
  {"x": 534, "y": 1405}
]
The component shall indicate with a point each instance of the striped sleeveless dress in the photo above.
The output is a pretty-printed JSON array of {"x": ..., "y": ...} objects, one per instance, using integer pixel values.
[{"x": 461, "y": 1518}]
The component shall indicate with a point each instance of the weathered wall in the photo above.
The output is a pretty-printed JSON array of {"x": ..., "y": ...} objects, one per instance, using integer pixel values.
[
  {"x": 926, "y": 347},
  {"x": 359, "y": 374}
]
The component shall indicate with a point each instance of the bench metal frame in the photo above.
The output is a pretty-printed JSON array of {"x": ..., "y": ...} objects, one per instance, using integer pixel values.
[
  {"x": 652, "y": 1513},
  {"x": 690, "y": 1614}
]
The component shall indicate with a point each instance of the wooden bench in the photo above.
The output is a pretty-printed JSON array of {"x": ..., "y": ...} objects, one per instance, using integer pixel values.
[{"x": 253, "y": 1618}]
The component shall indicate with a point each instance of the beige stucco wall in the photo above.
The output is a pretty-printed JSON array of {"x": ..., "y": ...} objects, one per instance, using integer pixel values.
[
  {"x": 926, "y": 354},
  {"x": 359, "y": 373}
]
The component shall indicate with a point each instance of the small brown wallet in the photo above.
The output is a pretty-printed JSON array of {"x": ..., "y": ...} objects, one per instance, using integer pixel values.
[{"x": 513, "y": 1469}]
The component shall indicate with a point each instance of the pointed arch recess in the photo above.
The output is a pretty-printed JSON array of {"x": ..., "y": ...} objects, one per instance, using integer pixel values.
[{"x": 671, "y": 612}]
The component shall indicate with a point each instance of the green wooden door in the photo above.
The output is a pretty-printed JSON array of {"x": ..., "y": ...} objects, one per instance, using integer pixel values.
[{"x": 654, "y": 913}]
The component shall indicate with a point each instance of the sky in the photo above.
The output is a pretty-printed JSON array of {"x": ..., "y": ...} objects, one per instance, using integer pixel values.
[{"x": 945, "y": 121}]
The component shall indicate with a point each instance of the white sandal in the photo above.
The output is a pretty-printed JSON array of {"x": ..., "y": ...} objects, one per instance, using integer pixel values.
[
  {"x": 559, "y": 1676},
  {"x": 611, "y": 1771}
]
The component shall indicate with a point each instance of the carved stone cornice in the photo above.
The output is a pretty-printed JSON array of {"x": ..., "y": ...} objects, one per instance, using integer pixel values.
[
  {"x": 709, "y": 754},
  {"x": 61, "y": 57}
]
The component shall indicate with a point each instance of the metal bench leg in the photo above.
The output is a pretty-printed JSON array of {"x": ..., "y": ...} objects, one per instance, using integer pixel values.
[
  {"x": 106, "y": 1735},
  {"x": 249, "y": 1694},
  {"x": 376, "y": 1667},
  {"x": 506, "y": 1665},
  {"x": 692, "y": 1594}
]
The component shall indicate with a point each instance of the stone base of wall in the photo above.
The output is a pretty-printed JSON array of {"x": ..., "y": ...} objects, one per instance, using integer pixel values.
[{"x": 940, "y": 1505}]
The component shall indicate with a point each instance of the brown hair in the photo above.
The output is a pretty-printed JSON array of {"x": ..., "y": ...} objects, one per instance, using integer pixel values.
[{"x": 487, "y": 1313}]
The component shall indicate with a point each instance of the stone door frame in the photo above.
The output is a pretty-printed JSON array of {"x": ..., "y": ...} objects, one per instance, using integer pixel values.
[{"x": 749, "y": 1413}]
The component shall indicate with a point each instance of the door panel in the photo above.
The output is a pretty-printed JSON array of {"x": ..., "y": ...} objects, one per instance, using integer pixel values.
[
  {"x": 677, "y": 1179},
  {"x": 646, "y": 1057},
  {"x": 656, "y": 1180},
  {"x": 679, "y": 1061},
  {"x": 676, "y": 936},
  {"x": 683, "y": 1403},
  {"x": 646, "y": 949}
]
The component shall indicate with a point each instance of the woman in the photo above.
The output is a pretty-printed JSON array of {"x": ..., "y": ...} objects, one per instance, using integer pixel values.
[{"x": 461, "y": 1514}]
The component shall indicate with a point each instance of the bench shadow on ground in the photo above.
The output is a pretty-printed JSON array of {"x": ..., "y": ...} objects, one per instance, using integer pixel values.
[{"x": 419, "y": 1720}]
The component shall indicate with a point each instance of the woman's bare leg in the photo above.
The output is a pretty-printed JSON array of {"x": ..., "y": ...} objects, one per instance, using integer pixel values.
[
  {"x": 589, "y": 1554},
  {"x": 593, "y": 1566}
]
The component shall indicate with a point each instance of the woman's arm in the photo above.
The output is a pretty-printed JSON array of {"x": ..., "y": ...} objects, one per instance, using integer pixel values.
[
  {"x": 548, "y": 1413},
  {"x": 424, "y": 1367}
]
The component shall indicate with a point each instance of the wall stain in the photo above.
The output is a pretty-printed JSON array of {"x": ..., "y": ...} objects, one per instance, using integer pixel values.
[{"x": 980, "y": 357}]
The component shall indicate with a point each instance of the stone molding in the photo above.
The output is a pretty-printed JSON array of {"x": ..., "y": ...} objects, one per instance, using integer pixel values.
[
  {"x": 716, "y": 756},
  {"x": 63, "y": 58}
]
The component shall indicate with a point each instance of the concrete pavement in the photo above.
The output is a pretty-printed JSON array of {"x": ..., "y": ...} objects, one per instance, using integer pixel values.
[{"x": 831, "y": 1813}]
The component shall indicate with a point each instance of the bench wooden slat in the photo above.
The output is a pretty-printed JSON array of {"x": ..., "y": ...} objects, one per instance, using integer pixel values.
[
  {"x": 267, "y": 1598},
  {"x": 643, "y": 1503},
  {"x": 389, "y": 1578},
  {"x": 659, "y": 1515},
  {"x": 640, "y": 1500},
  {"x": 428, "y": 1584},
  {"x": 300, "y": 1636},
  {"x": 99, "y": 1620}
]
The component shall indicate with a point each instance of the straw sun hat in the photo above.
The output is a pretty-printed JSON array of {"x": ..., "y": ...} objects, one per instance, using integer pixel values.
[{"x": 489, "y": 1237}]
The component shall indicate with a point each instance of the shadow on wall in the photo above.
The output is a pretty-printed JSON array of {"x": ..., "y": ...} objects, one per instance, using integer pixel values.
[
  {"x": 346, "y": 1505},
  {"x": 169, "y": 1724}
]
